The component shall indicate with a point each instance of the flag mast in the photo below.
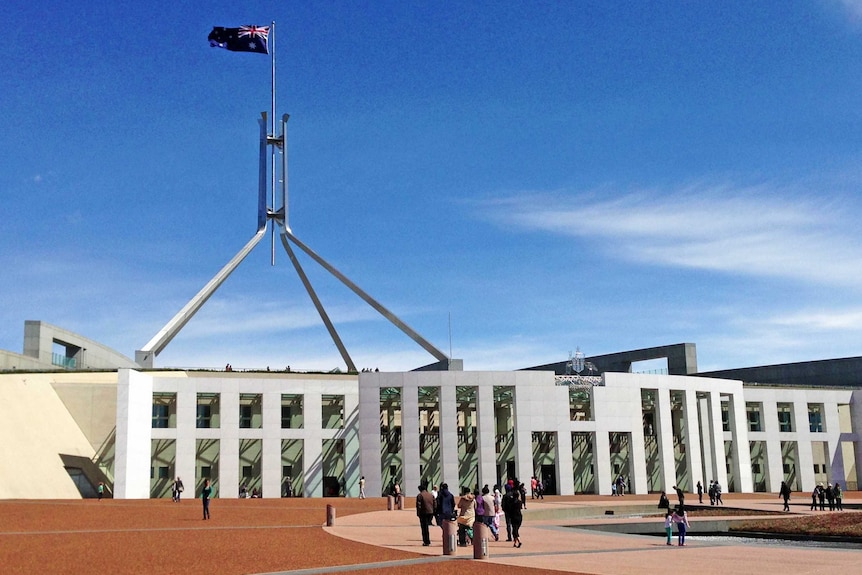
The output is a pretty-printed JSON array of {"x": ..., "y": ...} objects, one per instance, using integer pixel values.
[{"x": 273, "y": 151}]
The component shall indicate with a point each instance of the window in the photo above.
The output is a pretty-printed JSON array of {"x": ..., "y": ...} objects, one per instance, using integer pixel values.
[
  {"x": 204, "y": 418},
  {"x": 815, "y": 418},
  {"x": 246, "y": 471},
  {"x": 163, "y": 472},
  {"x": 161, "y": 413},
  {"x": 250, "y": 411},
  {"x": 725, "y": 417},
  {"x": 333, "y": 411},
  {"x": 785, "y": 417},
  {"x": 753, "y": 412},
  {"x": 291, "y": 411},
  {"x": 207, "y": 410},
  {"x": 245, "y": 416},
  {"x": 164, "y": 410},
  {"x": 755, "y": 468}
]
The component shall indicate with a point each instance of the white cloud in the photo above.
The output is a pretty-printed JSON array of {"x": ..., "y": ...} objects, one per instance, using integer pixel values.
[{"x": 757, "y": 231}]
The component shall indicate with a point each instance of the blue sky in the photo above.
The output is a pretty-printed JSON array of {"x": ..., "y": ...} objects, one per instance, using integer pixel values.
[{"x": 529, "y": 177}]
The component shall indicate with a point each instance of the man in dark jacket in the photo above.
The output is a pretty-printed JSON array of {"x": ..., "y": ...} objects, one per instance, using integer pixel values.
[
  {"x": 506, "y": 505},
  {"x": 425, "y": 512}
]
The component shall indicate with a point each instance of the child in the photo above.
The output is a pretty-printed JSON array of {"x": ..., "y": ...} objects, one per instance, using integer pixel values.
[{"x": 668, "y": 526}]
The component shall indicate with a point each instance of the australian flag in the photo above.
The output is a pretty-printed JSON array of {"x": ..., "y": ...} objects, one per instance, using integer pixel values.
[{"x": 242, "y": 39}]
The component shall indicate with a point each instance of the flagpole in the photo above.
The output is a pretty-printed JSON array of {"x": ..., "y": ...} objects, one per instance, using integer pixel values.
[{"x": 274, "y": 181}]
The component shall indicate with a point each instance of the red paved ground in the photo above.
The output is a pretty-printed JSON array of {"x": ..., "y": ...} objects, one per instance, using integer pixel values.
[{"x": 161, "y": 537}]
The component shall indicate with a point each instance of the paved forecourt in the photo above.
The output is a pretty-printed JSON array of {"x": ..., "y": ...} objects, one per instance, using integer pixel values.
[{"x": 549, "y": 544}]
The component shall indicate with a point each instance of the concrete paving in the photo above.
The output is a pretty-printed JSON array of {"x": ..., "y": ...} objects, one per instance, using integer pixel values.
[{"x": 550, "y": 543}]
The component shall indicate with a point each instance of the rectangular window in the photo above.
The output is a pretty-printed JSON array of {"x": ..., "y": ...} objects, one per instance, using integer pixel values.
[
  {"x": 291, "y": 411},
  {"x": 207, "y": 410},
  {"x": 164, "y": 410},
  {"x": 245, "y": 416},
  {"x": 332, "y": 411},
  {"x": 204, "y": 416},
  {"x": 160, "y": 416},
  {"x": 785, "y": 417},
  {"x": 725, "y": 417},
  {"x": 754, "y": 421},
  {"x": 815, "y": 417},
  {"x": 164, "y": 472}
]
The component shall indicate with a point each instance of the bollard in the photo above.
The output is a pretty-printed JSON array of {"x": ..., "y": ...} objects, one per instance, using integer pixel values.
[
  {"x": 450, "y": 537},
  {"x": 481, "y": 532},
  {"x": 390, "y": 503},
  {"x": 330, "y": 515}
]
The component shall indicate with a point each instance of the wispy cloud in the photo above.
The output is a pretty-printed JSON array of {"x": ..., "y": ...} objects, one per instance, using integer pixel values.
[{"x": 756, "y": 231}]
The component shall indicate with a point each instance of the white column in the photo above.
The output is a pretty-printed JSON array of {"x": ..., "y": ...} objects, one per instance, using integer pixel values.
[
  {"x": 601, "y": 451},
  {"x": 741, "y": 448},
  {"x": 802, "y": 435},
  {"x": 350, "y": 436},
  {"x": 187, "y": 412},
  {"x": 369, "y": 432},
  {"x": 487, "y": 434},
  {"x": 271, "y": 447},
  {"x": 707, "y": 456},
  {"x": 312, "y": 444},
  {"x": 664, "y": 439},
  {"x": 565, "y": 467},
  {"x": 693, "y": 457},
  {"x": 717, "y": 434},
  {"x": 449, "y": 436},
  {"x": 410, "y": 437},
  {"x": 133, "y": 444},
  {"x": 832, "y": 428}
]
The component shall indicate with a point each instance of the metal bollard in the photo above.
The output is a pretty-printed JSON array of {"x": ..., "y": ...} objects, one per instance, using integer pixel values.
[
  {"x": 330, "y": 515},
  {"x": 390, "y": 503},
  {"x": 481, "y": 532},
  {"x": 450, "y": 537}
]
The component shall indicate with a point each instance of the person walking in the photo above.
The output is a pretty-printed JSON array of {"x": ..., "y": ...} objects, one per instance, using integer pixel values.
[
  {"x": 784, "y": 493},
  {"x": 178, "y": 489},
  {"x": 488, "y": 512},
  {"x": 514, "y": 512},
  {"x": 205, "y": 498},
  {"x": 504, "y": 505},
  {"x": 821, "y": 497},
  {"x": 838, "y": 497},
  {"x": 425, "y": 512},
  {"x": 362, "y": 487},
  {"x": 814, "y": 495},
  {"x": 466, "y": 516},
  {"x": 830, "y": 496},
  {"x": 101, "y": 490},
  {"x": 700, "y": 493},
  {"x": 717, "y": 487}
]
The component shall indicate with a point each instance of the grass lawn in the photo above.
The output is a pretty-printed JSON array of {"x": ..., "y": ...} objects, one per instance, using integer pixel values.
[{"x": 834, "y": 524}]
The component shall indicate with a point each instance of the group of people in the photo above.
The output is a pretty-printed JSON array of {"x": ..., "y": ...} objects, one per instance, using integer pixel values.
[
  {"x": 487, "y": 506},
  {"x": 821, "y": 495},
  {"x": 619, "y": 485},
  {"x": 244, "y": 493},
  {"x": 537, "y": 488}
]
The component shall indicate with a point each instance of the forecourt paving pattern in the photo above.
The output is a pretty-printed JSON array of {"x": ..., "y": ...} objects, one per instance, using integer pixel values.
[
  {"x": 288, "y": 536},
  {"x": 549, "y": 545}
]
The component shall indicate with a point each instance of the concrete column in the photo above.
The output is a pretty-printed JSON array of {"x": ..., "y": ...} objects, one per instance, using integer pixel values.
[
  {"x": 410, "y": 437},
  {"x": 565, "y": 472},
  {"x": 741, "y": 448},
  {"x": 271, "y": 447},
  {"x": 707, "y": 456},
  {"x": 369, "y": 428},
  {"x": 350, "y": 436},
  {"x": 133, "y": 444},
  {"x": 449, "y": 438},
  {"x": 717, "y": 434},
  {"x": 487, "y": 435},
  {"x": 693, "y": 456},
  {"x": 664, "y": 438},
  {"x": 601, "y": 451}
]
